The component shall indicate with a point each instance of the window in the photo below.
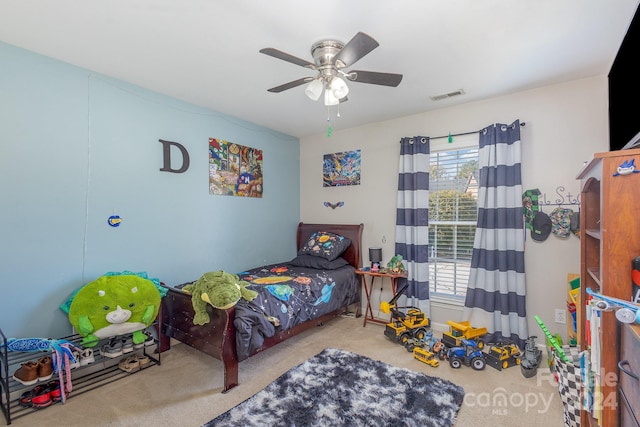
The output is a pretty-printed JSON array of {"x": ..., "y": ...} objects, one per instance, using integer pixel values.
[{"x": 453, "y": 214}]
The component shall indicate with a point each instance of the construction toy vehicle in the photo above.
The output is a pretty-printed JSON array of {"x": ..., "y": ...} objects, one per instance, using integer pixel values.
[
  {"x": 531, "y": 359},
  {"x": 404, "y": 326},
  {"x": 425, "y": 356},
  {"x": 427, "y": 342},
  {"x": 468, "y": 354},
  {"x": 463, "y": 331},
  {"x": 503, "y": 355}
]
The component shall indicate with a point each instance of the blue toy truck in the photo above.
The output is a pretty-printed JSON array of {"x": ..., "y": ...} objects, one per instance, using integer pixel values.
[{"x": 468, "y": 354}]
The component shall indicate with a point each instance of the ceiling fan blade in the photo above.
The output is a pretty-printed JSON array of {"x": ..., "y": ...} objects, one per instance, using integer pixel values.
[
  {"x": 290, "y": 85},
  {"x": 286, "y": 57},
  {"x": 384, "y": 79},
  {"x": 360, "y": 45}
]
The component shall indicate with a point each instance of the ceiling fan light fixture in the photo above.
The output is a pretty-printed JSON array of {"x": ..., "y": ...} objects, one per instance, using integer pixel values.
[
  {"x": 339, "y": 87},
  {"x": 330, "y": 98},
  {"x": 314, "y": 89}
]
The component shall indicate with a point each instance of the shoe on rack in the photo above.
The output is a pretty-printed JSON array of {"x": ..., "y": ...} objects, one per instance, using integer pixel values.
[
  {"x": 45, "y": 368},
  {"x": 147, "y": 342},
  {"x": 87, "y": 357},
  {"x": 112, "y": 349},
  {"x": 37, "y": 398},
  {"x": 142, "y": 360},
  {"x": 129, "y": 364},
  {"x": 53, "y": 387},
  {"x": 127, "y": 345},
  {"x": 27, "y": 374},
  {"x": 75, "y": 362}
]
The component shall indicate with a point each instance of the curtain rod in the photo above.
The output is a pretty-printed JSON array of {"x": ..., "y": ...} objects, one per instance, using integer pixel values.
[{"x": 463, "y": 133}]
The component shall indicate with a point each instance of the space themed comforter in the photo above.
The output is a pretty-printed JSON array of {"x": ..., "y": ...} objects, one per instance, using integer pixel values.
[{"x": 287, "y": 296}]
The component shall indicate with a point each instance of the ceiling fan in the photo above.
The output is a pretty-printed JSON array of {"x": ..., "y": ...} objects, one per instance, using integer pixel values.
[{"x": 330, "y": 58}]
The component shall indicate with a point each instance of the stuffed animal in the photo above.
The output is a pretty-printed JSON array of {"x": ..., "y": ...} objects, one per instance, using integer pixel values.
[
  {"x": 219, "y": 289},
  {"x": 114, "y": 305},
  {"x": 395, "y": 264}
]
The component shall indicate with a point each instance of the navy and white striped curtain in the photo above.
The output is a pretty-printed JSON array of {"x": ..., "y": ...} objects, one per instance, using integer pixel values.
[
  {"x": 412, "y": 217},
  {"x": 496, "y": 290}
]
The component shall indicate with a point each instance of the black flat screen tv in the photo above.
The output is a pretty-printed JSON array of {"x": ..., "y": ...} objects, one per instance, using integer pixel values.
[{"x": 624, "y": 89}]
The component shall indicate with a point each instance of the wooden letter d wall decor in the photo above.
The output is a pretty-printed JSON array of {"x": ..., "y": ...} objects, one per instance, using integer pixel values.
[{"x": 166, "y": 153}]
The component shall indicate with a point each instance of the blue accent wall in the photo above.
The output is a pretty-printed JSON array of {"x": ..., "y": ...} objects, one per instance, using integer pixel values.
[{"x": 77, "y": 147}]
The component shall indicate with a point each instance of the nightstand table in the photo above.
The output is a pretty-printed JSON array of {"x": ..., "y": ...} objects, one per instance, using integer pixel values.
[{"x": 368, "y": 288}]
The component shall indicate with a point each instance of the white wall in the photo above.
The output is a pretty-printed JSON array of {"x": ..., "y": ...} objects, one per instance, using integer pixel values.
[{"x": 565, "y": 125}]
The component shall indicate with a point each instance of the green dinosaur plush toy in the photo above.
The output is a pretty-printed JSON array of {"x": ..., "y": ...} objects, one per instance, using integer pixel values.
[
  {"x": 114, "y": 305},
  {"x": 219, "y": 289},
  {"x": 395, "y": 264}
]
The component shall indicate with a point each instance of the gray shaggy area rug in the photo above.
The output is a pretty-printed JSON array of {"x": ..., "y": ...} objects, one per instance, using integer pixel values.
[{"x": 338, "y": 388}]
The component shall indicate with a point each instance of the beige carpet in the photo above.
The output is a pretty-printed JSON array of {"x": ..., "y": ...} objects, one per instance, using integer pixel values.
[{"x": 185, "y": 389}]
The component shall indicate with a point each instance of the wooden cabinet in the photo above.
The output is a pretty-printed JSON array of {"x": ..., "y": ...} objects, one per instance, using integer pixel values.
[{"x": 609, "y": 241}]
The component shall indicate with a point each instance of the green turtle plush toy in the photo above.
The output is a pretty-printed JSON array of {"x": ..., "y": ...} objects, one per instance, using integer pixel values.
[
  {"x": 219, "y": 289},
  {"x": 114, "y": 305}
]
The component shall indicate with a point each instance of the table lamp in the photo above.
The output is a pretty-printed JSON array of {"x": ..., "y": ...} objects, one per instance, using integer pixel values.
[{"x": 375, "y": 256}]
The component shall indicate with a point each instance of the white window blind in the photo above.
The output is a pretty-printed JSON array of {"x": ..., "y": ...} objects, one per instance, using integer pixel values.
[{"x": 453, "y": 214}]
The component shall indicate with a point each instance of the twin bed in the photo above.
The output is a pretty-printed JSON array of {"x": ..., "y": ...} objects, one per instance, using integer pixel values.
[{"x": 320, "y": 283}]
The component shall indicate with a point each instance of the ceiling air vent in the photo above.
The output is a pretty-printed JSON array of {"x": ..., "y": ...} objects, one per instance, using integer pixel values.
[{"x": 447, "y": 95}]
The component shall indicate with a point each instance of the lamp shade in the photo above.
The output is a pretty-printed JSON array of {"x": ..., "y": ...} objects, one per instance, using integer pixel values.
[
  {"x": 329, "y": 98},
  {"x": 339, "y": 87},
  {"x": 375, "y": 254},
  {"x": 314, "y": 89}
]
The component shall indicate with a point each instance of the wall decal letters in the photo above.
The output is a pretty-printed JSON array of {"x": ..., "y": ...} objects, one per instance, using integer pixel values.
[{"x": 166, "y": 153}]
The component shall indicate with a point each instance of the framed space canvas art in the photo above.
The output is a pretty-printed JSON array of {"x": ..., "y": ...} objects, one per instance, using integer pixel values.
[
  {"x": 340, "y": 169},
  {"x": 234, "y": 170}
]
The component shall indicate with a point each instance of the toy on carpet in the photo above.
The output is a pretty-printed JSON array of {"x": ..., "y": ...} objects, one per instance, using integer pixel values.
[
  {"x": 395, "y": 264},
  {"x": 114, "y": 305},
  {"x": 219, "y": 289}
]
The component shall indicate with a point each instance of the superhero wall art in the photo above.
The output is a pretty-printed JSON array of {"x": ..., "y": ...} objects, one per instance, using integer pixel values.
[
  {"x": 234, "y": 170},
  {"x": 340, "y": 169}
]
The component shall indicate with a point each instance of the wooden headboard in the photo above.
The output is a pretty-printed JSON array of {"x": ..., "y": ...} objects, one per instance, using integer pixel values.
[{"x": 353, "y": 232}]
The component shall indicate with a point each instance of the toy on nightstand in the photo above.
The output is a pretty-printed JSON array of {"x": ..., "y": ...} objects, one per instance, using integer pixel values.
[{"x": 395, "y": 265}]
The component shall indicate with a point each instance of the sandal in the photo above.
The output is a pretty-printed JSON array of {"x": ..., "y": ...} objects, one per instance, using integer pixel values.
[
  {"x": 142, "y": 360},
  {"x": 129, "y": 364}
]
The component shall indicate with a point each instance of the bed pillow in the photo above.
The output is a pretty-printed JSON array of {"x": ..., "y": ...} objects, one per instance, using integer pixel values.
[
  {"x": 318, "y": 263},
  {"x": 326, "y": 245}
]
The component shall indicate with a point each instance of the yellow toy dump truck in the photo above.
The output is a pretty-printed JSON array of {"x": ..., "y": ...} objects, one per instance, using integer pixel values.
[
  {"x": 404, "y": 326},
  {"x": 463, "y": 330},
  {"x": 503, "y": 355}
]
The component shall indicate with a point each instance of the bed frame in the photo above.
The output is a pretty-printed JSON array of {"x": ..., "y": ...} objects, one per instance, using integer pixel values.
[{"x": 217, "y": 338}]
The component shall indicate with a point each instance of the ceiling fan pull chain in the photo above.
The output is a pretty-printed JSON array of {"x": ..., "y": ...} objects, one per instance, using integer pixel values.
[{"x": 329, "y": 128}]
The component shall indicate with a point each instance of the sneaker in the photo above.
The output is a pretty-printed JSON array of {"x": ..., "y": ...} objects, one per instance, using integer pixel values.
[
  {"x": 37, "y": 398},
  {"x": 127, "y": 345},
  {"x": 87, "y": 357},
  {"x": 75, "y": 362},
  {"x": 27, "y": 374},
  {"x": 45, "y": 368},
  {"x": 147, "y": 342},
  {"x": 112, "y": 349},
  {"x": 53, "y": 387}
]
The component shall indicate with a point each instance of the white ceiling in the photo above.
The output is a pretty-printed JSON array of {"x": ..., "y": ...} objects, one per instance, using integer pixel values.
[{"x": 206, "y": 51}]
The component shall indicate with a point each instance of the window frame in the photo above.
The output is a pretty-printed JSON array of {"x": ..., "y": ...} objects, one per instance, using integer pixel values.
[{"x": 437, "y": 145}]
